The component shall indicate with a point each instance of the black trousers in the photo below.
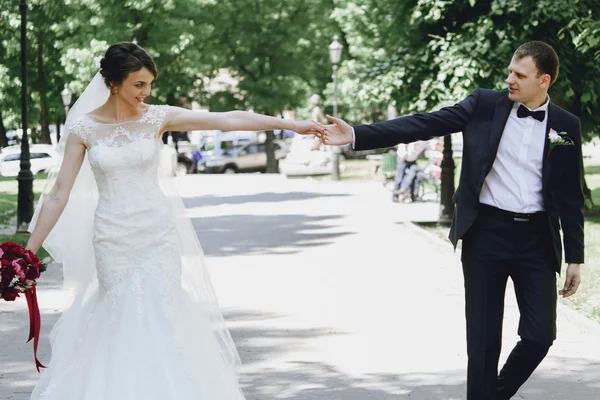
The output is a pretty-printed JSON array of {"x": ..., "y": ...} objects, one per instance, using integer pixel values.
[{"x": 498, "y": 246}]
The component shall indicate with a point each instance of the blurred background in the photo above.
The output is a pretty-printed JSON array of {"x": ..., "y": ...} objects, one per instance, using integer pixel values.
[
  {"x": 340, "y": 279},
  {"x": 361, "y": 60}
]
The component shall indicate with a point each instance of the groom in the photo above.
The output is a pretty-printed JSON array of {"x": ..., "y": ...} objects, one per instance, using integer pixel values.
[{"x": 521, "y": 182}]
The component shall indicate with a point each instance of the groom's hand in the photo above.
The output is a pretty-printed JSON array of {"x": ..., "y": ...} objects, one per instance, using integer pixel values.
[
  {"x": 572, "y": 281},
  {"x": 338, "y": 134}
]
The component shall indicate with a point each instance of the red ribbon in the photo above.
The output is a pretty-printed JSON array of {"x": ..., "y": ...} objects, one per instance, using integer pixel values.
[{"x": 35, "y": 323}]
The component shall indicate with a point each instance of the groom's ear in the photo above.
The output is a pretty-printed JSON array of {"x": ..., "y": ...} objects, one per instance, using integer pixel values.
[{"x": 546, "y": 81}]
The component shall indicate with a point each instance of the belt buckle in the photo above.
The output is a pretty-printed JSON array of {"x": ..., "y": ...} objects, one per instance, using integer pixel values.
[{"x": 520, "y": 219}]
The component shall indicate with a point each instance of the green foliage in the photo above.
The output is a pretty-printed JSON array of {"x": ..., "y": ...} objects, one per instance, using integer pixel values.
[
  {"x": 421, "y": 54},
  {"x": 163, "y": 28},
  {"x": 416, "y": 54},
  {"x": 585, "y": 29},
  {"x": 10, "y": 82},
  {"x": 276, "y": 50}
]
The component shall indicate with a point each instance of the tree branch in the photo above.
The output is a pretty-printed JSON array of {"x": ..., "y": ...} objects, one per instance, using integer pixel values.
[{"x": 236, "y": 55}]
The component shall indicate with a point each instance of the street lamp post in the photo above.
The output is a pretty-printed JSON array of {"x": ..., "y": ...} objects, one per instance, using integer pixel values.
[
  {"x": 25, "y": 177},
  {"x": 335, "y": 54},
  {"x": 66, "y": 98}
]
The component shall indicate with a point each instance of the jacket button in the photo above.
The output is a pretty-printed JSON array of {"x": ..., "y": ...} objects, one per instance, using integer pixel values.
[{"x": 480, "y": 184}]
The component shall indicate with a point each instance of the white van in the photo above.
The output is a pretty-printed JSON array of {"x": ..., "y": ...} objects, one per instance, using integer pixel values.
[
  {"x": 42, "y": 156},
  {"x": 220, "y": 143}
]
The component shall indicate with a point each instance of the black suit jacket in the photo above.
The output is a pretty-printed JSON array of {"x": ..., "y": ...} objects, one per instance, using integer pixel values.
[{"x": 481, "y": 118}]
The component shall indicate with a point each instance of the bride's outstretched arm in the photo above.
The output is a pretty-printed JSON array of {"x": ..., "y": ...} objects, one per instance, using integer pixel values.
[
  {"x": 56, "y": 200},
  {"x": 181, "y": 119}
]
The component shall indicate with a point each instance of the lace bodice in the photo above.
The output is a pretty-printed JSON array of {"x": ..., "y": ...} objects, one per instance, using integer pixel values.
[
  {"x": 124, "y": 158},
  {"x": 118, "y": 134}
]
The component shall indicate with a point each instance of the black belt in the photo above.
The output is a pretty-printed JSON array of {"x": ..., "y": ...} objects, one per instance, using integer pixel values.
[{"x": 499, "y": 213}]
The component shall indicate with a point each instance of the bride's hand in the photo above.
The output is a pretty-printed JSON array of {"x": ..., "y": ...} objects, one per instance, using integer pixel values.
[{"x": 307, "y": 128}]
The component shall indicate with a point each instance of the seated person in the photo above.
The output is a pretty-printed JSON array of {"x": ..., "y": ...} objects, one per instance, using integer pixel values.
[{"x": 406, "y": 181}]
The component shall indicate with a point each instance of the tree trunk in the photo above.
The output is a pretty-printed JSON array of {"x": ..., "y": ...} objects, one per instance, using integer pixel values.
[
  {"x": 272, "y": 166},
  {"x": 3, "y": 132},
  {"x": 447, "y": 190},
  {"x": 44, "y": 123},
  {"x": 57, "y": 132},
  {"x": 576, "y": 109},
  {"x": 587, "y": 193}
]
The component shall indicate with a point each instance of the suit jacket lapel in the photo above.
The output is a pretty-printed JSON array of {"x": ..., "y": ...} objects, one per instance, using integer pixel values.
[
  {"x": 546, "y": 164},
  {"x": 503, "y": 108}
]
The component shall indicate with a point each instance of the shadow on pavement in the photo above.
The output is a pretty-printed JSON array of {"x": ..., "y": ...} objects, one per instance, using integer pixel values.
[
  {"x": 18, "y": 375},
  {"x": 264, "y": 234},
  {"x": 52, "y": 278},
  {"x": 266, "y": 197},
  {"x": 321, "y": 381},
  {"x": 310, "y": 380}
]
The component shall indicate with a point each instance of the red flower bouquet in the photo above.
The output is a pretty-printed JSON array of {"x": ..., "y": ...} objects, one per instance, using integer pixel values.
[{"x": 19, "y": 271}]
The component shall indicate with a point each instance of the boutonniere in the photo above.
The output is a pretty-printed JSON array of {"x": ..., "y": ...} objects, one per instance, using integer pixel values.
[{"x": 558, "y": 139}]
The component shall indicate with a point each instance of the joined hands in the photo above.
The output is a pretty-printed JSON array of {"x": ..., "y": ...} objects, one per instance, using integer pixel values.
[{"x": 337, "y": 134}]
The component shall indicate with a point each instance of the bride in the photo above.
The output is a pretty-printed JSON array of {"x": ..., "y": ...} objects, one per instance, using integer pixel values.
[{"x": 144, "y": 322}]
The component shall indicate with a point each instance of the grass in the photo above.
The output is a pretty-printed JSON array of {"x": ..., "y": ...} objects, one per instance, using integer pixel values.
[
  {"x": 364, "y": 170},
  {"x": 8, "y": 209},
  {"x": 587, "y": 299},
  {"x": 356, "y": 170},
  {"x": 22, "y": 238},
  {"x": 592, "y": 170}
]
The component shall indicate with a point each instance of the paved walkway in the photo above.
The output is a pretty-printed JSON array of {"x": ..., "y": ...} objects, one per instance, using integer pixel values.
[{"x": 330, "y": 294}]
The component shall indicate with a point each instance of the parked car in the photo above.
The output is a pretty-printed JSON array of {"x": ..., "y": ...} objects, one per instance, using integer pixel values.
[
  {"x": 248, "y": 157},
  {"x": 185, "y": 165},
  {"x": 12, "y": 137},
  {"x": 181, "y": 144},
  {"x": 42, "y": 156},
  {"x": 223, "y": 142}
]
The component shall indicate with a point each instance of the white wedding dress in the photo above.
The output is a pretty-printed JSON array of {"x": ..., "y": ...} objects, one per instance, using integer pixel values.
[{"x": 139, "y": 334}]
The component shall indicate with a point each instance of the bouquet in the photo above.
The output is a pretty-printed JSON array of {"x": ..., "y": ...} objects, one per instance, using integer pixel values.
[{"x": 19, "y": 270}]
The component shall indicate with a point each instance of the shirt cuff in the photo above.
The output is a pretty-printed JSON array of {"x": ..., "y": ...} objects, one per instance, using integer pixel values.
[{"x": 353, "y": 138}]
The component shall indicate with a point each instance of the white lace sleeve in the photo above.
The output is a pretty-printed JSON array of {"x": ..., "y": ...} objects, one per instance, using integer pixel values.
[
  {"x": 156, "y": 116},
  {"x": 81, "y": 128}
]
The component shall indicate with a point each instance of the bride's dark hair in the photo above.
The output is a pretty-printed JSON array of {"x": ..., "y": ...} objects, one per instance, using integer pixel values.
[{"x": 123, "y": 58}]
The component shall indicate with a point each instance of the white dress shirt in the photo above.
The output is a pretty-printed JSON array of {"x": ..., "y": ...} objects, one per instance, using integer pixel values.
[{"x": 515, "y": 180}]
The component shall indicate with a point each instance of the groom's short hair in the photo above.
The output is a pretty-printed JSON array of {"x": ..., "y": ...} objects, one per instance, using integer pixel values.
[{"x": 543, "y": 55}]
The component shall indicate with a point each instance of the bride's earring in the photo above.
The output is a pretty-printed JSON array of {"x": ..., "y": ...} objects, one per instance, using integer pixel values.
[{"x": 113, "y": 90}]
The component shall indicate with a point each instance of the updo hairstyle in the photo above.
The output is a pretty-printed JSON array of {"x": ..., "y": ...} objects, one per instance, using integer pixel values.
[{"x": 123, "y": 58}]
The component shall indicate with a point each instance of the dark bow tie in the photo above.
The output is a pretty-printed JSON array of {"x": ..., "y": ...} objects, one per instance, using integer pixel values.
[{"x": 524, "y": 112}]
